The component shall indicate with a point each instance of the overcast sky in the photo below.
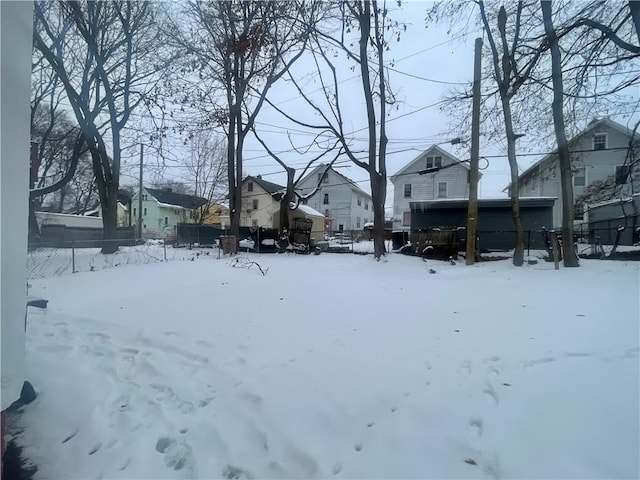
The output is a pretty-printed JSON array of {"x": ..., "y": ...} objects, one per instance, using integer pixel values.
[{"x": 444, "y": 62}]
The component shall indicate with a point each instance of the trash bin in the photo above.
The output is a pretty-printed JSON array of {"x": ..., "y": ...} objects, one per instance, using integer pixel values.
[{"x": 229, "y": 244}]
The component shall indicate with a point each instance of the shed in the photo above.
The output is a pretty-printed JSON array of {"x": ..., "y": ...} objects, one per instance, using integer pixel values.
[
  {"x": 495, "y": 223},
  {"x": 605, "y": 217},
  {"x": 306, "y": 212}
]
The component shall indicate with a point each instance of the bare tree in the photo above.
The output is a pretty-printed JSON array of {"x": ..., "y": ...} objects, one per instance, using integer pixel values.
[
  {"x": 374, "y": 26},
  {"x": 568, "y": 253},
  {"x": 206, "y": 171},
  {"x": 106, "y": 55},
  {"x": 243, "y": 47}
]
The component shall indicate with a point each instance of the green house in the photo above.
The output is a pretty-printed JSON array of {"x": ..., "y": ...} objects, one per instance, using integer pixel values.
[{"x": 163, "y": 210}]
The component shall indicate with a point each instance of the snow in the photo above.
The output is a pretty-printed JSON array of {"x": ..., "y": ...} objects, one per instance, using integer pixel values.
[
  {"x": 312, "y": 212},
  {"x": 335, "y": 366}
]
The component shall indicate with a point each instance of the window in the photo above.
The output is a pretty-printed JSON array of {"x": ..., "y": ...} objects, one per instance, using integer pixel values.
[
  {"x": 407, "y": 190},
  {"x": 622, "y": 174},
  {"x": 166, "y": 220},
  {"x": 145, "y": 211},
  {"x": 359, "y": 201},
  {"x": 144, "y": 226},
  {"x": 578, "y": 211},
  {"x": 366, "y": 205},
  {"x": 144, "y": 197},
  {"x": 254, "y": 223},
  {"x": 323, "y": 178},
  {"x": 442, "y": 189},
  {"x": 134, "y": 212},
  {"x": 255, "y": 203},
  {"x": 357, "y": 222},
  {"x": 600, "y": 141},
  {"x": 325, "y": 200},
  {"x": 250, "y": 186},
  {"x": 580, "y": 177},
  {"x": 341, "y": 228},
  {"x": 434, "y": 162},
  {"x": 406, "y": 219}
]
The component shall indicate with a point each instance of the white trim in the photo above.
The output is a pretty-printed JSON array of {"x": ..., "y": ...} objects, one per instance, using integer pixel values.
[
  {"x": 446, "y": 190},
  {"x": 593, "y": 141},
  {"x": 586, "y": 178}
]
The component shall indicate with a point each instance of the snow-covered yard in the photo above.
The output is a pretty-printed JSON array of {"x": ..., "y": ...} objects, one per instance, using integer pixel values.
[{"x": 336, "y": 366}]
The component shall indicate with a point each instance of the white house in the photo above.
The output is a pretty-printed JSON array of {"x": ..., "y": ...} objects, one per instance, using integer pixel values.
[
  {"x": 260, "y": 200},
  {"x": 600, "y": 153},
  {"x": 450, "y": 179},
  {"x": 344, "y": 205}
]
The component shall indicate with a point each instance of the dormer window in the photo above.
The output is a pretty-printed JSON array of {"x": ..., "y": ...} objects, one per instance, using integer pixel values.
[{"x": 600, "y": 141}]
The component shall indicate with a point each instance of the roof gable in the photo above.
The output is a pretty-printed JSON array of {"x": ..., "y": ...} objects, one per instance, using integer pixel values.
[
  {"x": 606, "y": 122},
  {"x": 269, "y": 187},
  {"x": 343, "y": 179},
  {"x": 421, "y": 157},
  {"x": 177, "y": 199}
]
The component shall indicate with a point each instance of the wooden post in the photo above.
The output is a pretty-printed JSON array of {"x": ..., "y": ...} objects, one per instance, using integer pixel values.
[
  {"x": 472, "y": 213},
  {"x": 555, "y": 247}
]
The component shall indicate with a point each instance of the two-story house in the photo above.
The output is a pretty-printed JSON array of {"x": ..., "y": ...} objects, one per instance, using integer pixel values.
[
  {"x": 449, "y": 179},
  {"x": 599, "y": 155},
  {"x": 260, "y": 200},
  {"x": 163, "y": 210},
  {"x": 343, "y": 203}
]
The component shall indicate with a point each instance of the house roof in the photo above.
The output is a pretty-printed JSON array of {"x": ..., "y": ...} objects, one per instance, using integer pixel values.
[
  {"x": 270, "y": 187},
  {"x": 432, "y": 148},
  {"x": 445, "y": 203},
  {"x": 594, "y": 124},
  {"x": 178, "y": 199},
  {"x": 347, "y": 180}
]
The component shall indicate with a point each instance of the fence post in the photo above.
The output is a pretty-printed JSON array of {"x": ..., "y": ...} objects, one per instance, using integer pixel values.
[
  {"x": 528, "y": 243},
  {"x": 73, "y": 256},
  {"x": 555, "y": 247},
  {"x": 164, "y": 247}
]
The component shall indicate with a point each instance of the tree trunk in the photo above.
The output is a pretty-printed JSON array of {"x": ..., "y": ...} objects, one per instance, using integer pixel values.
[
  {"x": 377, "y": 199},
  {"x": 286, "y": 200},
  {"x": 568, "y": 253},
  {"x": 110, "y": 219},
  {"x": 518, "y": 253}
]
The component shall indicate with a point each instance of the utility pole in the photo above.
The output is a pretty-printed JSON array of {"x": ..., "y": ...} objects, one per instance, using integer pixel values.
[
  {"x": 472, "y": 214},
  {"x": 140, "y": 194}
]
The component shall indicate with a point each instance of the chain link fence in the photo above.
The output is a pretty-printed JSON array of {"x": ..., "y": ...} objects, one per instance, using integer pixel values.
[{"x": 82, "y": 256}]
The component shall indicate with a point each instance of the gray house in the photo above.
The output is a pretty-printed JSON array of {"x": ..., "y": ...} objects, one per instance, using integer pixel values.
[
  {"x": 451, "y": 181},
  {"x": 599, "y": 155},
  {"x": 343, "y": 203}
]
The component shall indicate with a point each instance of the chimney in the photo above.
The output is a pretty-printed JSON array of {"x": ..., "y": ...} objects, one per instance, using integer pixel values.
[{"x": 259, "y": 177}]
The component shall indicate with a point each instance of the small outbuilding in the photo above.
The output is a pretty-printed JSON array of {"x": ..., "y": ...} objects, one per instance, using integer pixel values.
[
  {"x": 308, "y": 213},
  {"x": 495, "y": 223}
]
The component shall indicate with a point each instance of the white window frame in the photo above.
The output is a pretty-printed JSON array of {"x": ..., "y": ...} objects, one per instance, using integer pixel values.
[
  {"x": 404, "y": 191},
  {"x": 255, "y": 204},
  {"x": 606, "y": 141},
  {"x": 446, "y": 190},
  {"x": 249, "y": 186},
  {"x": 573, "y": 177},
  {"x": 405, "y": 222},
  {"x": 325, "y": 199}
]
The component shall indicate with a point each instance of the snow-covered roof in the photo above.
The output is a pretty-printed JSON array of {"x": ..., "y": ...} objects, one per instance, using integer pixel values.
[{"x": 312, "y": 212}]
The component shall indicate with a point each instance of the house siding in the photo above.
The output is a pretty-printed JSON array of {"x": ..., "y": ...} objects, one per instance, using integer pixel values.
[
  {"x": 544, "y": 179},
  {"x": 425, "y": 187},
  {"x": 267, "y": 206},
  {"x": 343, "y": 208},
  {"x": 153, "y": 221}
]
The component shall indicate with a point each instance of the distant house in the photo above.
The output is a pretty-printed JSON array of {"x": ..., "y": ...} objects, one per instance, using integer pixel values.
[
  {"x": 600, "y": 163},
  {"x": 124, "y": 210},
  {"x": 260, "y": 200},
  {"x": 344, "y": 205},
  {"x": 217, "y": 214},
  {"x": 449, "y": 181},
  {"x": 163, "y": 209}
]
